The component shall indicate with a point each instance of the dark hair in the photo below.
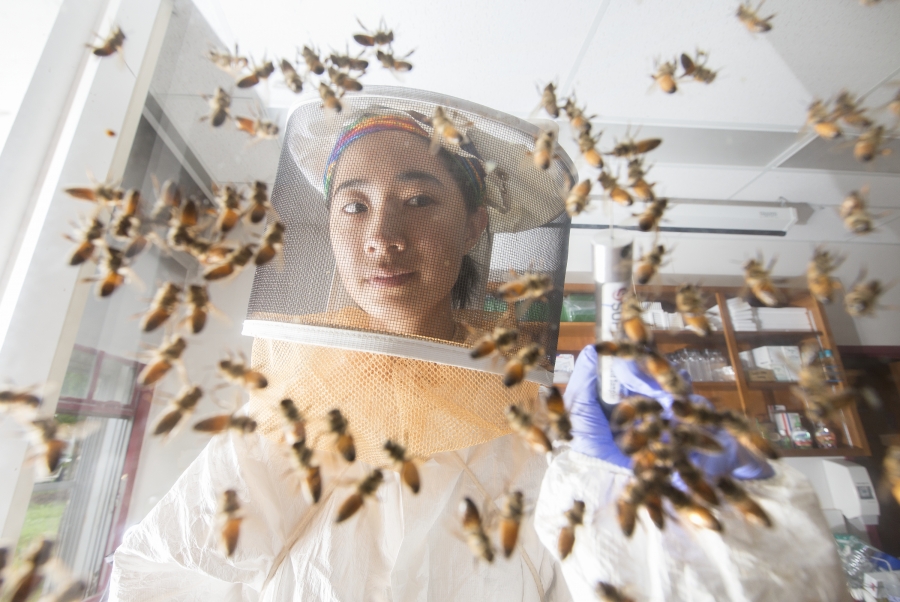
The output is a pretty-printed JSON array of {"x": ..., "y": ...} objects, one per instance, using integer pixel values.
[{"x": 461, "y": 293}]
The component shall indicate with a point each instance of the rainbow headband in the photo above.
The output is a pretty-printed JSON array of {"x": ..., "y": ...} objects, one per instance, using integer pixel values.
[{"x": 380, "y": 123}]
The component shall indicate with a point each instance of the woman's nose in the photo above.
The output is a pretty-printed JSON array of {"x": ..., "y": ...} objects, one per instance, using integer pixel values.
[{"x": 384, "y": 232}]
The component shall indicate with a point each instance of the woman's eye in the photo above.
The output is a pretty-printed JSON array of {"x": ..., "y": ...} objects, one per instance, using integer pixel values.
[
  {"x": 355, "y": 208},
  {"x": 420, "y": 200}
]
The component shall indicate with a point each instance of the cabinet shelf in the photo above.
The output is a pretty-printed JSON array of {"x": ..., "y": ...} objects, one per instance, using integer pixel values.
[{"x": 751, "y": 398}]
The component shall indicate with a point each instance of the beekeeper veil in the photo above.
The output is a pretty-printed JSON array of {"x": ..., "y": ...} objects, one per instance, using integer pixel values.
[{"x": 396, "y": 239}]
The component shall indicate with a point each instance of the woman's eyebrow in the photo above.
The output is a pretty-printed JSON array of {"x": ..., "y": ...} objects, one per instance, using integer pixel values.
[
  {"x": 354, "y": 182},
  {"x": 419, "y": 176}
]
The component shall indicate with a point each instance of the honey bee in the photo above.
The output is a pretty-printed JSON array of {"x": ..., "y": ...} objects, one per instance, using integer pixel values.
[
  {"x": 855, "y": 213},
  {"x": 652, "y": 215},
  {"x": 345, "y": 61},
  {"x": 476, "y": 538},
  {"x": 103, "y": 193},
  {"x": 127, "y": 225},
  {"x": 577, "y": 199},
  {"x": 548, "y": 100},
  {"x": 292, "y": 79},
  {"x": 556, "y": 412},
  {"x": 181, "y": 407},
  {"x": 113, "y": 273},
  {"x": 862, "y": 299},
  {"x": 445, "y": 129},
  {"x": 224, "y": 60},
  {"x": 579, "y": 122},
  {"x": 343, "y": 80},
  {"x": 588, "y": 146},
  {"x": 627, "y": 505},
  {"x": 36, "y": 557},
  {"x": 162, "y": 307},
  {"x": 232, "y": 264},
  {"x": 257, "y": 74},
  {"x": 500, "y": 340},
  {"x": 665, "y": 77},
  {"x": 392, "y": 63},
  {"x": 23, "y": 396},
  {"x": 823, "y": 123},
  {"x": 512, "y": 507},
  {"x": 870, "y": 144},
  {"x": 892, "y": 470},
  {"x": 257, "y": 127},
  {"x": 409, "y": 474},
  {"x": 525, "y": 287},
  {"x": 521, "y": 422},
  {"x": 695, "y": 513},
  {"x": 686, "y": 437},
  {"x": 199, "y": 307},
  {"x": 168, "y": 196},
  {"x": 739, "y": 498},
  {"x": 575, "y": 517},
  {"x": 544, "y": 149},
  {"x": 637, "y": 182},
  {"x": 818, "y": 275},
  {"x": 219, "y": 105},
  {"x": 312, "y": 483},
  {"x": 313, "y": 62},
  {"x": 271, "y": 244},
  {"x": 635, "y": 407},
  {"x": 629, "y": 149},
  {"x": 330, "y": 101},
  {"x": 696, "y": 67},
  {"x": 259, "y": 203},
  {"x": 366, "y": 488},
  {"x": 337, "y": 426},
  {"x": 111, "y": 44},
  {"x": 689, "y": 303},
  {"x": 612, "y": 188},
  {"x": 163, "y": 358},
  {"x": 296, "y": 424},
  {"x": 607, "y": 592},
  {"x": 524, "y": 360},
  {"x": 91, "y": 238},
  {"x": 237, "y": 372},
  {"x": 54, "y": 445},
  {"x": 641, "y": 436},
  {"x": 623, "y": 349},
  {"x": 649, "y": 264},
  {"x": 110, "y": 133},
  {"x": 222, "y": 422},
  {"x": 847, "y": 109},
  {"x": 229, "y": 199},
  {"x": 665, "y": 374},
  {"x": 747, "y": 436},
  {"x": 759, "y": 280},
  {"x": 693, "y": 478},
  {"x": 751, "y": 20},
  {"x": 381, "y": 37},
  {"x": 632, "y": 324},
  {"x": 230, "y": 518}
]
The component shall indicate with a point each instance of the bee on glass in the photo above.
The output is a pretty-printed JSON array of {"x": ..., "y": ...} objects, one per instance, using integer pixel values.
[
  {"x": 522, "y": 423},
  {"x": 575, "y": 517},
  {"x": 366, "y": 488},
  {"x": 475, "y": 535},
  {"x": 409, "y": 474},
  {"x": 111, "y": 44}
]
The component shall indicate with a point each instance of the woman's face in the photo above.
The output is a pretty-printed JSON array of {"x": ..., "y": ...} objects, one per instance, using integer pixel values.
[{"x": 399, "y": 228}]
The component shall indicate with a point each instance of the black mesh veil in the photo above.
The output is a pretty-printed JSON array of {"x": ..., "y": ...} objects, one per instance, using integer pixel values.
[{"x": 356, "y": 302}]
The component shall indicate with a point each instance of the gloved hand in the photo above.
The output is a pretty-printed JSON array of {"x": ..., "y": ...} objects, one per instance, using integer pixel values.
[
  {"x": 591, "y": 434},
  {"x": 735, "y": 460}
]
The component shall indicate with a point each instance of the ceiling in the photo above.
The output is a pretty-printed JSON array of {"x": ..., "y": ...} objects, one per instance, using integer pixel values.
[{"x": 744, "y": 129}]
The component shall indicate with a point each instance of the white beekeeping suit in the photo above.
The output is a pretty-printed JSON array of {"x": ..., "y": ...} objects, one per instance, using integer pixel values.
[{"x": 396, "y": 242}]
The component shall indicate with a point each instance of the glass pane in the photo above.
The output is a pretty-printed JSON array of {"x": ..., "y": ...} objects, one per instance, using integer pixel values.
[
  {"x": 115, "y": 381},
  {"x": 77, "y": 382}
]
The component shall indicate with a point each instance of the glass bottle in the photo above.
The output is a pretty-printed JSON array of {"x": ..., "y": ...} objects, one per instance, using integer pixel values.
[
  {"x": 829, "y": 365},
  {"x": 825, "y": 437}
]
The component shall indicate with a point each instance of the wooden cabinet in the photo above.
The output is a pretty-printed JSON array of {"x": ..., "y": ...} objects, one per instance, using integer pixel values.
[{"x": 750, "y": 398}]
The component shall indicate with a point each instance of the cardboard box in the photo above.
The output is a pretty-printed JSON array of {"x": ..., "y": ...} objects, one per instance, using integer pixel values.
[
  {"x": 784, "y": 361},
  {"x": 883, "y": 586},
  {"x": 760, "y": 375}
]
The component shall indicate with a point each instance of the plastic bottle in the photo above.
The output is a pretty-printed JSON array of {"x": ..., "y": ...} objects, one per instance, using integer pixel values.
[
  {"x": 832, "y": 373},
  {"x": 825, "y": 436}
]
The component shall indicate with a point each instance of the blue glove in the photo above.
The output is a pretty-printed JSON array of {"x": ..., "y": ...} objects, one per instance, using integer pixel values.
[
  {"x": 735, "y": 460},
  {"x": 591, "y": 434}
]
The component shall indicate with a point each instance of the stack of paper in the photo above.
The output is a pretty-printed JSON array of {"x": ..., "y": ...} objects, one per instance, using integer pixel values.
[
  {"x": 743, "y": 318},
  {"x": 784, "y": 318}
]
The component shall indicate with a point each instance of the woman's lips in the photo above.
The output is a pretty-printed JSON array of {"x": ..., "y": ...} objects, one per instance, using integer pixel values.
[{"x": 390, "y": 280}]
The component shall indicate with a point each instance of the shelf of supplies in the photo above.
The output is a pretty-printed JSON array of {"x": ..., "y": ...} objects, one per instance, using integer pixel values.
[
  {"x": 771, "y": 385},
  {"x": 841, "y": 452},
  {"x": 714, "y": 385},
  {"x": 771, "y": 336},
  {"x": 586, "y": 329}
]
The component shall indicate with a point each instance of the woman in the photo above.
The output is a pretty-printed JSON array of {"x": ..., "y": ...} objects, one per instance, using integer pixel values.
[{"x": 395, "y": 237}]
